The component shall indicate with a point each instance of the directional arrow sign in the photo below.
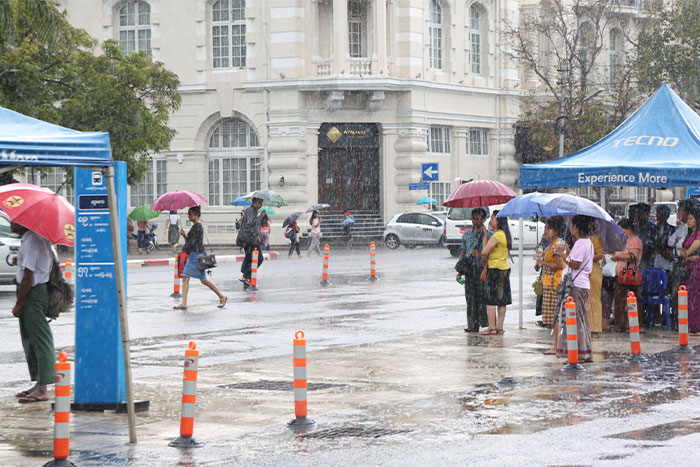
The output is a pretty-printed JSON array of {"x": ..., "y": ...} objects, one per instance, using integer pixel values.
[{"x": 429, "y": 172}]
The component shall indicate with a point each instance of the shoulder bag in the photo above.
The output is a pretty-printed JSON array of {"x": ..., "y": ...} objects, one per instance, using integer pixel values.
[
  {"x": 206, "y": 261},
  {"x": 630, "y": 274}
]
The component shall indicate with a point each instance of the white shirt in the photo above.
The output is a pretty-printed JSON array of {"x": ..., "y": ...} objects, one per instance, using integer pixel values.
[
  {"x": 36, "y": 255},
  {"x": 174, "y": 219},
  {"x": 677, "y": 238}
]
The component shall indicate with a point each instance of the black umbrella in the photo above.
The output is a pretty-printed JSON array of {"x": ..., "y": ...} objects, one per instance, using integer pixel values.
[{"x": 291, "y": 218}]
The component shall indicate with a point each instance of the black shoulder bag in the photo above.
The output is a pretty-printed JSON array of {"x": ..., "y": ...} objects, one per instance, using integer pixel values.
[{"x": 206, "y": 261}]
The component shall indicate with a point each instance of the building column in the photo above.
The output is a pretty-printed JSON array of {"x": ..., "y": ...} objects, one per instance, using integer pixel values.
[
  {"x": 508, "y": 169},
  {"x": 340, "y": 35},
  {"x": 409, "y": 146},
  {"x": 380, "y": 36},
  {"x": 287, "y": 159}
]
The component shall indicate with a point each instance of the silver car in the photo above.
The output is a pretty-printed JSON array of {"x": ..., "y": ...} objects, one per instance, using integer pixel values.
[
  {"x": 414, "y": 228},
  {"x": 9, "y": 247}
]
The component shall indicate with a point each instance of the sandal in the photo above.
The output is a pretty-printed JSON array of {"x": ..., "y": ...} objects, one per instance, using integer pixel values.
[
  {"x": 24, "y": 393},
  {"x": 550, "y": 352},
  {"x": 29, "y": 399},
  {"x": 500, "y": 331},
  {"x": 222, "y": 302},
  {"x": 180, "y": 307},
  {"x": 488, "y": 332},
  {"x": 469, "y": 330}
]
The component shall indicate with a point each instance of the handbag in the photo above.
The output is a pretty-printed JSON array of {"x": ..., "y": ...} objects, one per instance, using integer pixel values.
[
  {"x": 206, "y": 261},
  {"x": 538, "y": 286},
  {"x": 462, "y": 266},
  {"x": 630, "y": 275}
]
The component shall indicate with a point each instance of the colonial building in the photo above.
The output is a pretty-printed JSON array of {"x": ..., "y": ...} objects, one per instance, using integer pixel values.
[{"x": 328, "y": 101}]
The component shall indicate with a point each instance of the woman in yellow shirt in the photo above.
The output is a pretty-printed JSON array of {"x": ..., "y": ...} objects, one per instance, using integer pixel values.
[
  {"x": 497, "y": 288},
  {"x": 553, "y": 263}
]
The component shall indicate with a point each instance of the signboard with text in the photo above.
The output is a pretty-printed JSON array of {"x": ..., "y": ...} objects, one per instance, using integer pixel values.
[{"x": 99, "y": 362}]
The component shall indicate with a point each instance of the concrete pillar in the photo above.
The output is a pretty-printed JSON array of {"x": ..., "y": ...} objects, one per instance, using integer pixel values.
[
  {"x": 340, "y": 35},
  {"x": 380, "y": 36},
  {"x": 409, "y": 149},
  {"x": 508, "y": 169},
  {"x": 287, "y": 157}
]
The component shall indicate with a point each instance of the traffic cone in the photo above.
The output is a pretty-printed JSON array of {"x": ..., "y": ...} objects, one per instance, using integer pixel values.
[
  {"x": 301, "y": 419},
  {"x": 189, "y": 397},
  {"x": 572, "y": 338}
]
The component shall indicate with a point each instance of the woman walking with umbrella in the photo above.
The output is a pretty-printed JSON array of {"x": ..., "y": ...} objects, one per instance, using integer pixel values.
[{"x": 194, "y": 247}]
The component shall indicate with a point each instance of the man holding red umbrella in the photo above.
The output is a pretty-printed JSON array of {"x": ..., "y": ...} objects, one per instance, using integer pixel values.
[{"x": 34, "y": 262}]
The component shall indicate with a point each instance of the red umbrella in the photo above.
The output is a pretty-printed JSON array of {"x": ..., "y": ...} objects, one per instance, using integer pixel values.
[
  {"x": 479, "y": 193},
  {"x": 179, "y": 199},
  {"x": 40, "y": 210}
]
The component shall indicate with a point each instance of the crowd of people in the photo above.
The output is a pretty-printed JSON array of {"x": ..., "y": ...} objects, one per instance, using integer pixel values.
[{"x": 572, "y": 261}]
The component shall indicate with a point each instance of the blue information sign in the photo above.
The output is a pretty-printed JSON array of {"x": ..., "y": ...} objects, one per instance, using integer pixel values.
[
  {"x": 429, "y": 172},
  {"x": 419, "y": 186},
  {"x": 692, "y": 192},
  {"x": 99, "y": 361}
]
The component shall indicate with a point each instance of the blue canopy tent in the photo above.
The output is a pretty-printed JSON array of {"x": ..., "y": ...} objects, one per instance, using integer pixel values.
[
  {"x": 26, "y": 141},
  {"x": 658, "y": 146}
]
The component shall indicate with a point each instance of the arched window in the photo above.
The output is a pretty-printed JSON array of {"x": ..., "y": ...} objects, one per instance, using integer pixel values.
[
  {"x": 235, "y": 162},
  {"x": 135, "y": 27},
  {"x": 475, "y": 40},
  {"x": 616, "y": 49},
  {"x": 228, "y": 34},
  {"x": 435, "y": 50}
]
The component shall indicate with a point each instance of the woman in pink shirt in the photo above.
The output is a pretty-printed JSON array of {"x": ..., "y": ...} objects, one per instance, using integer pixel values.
[
  {"x": 633, "y": 249},
  {"x": 579, "y": 265},
  {"x": 315, "y": 234}
]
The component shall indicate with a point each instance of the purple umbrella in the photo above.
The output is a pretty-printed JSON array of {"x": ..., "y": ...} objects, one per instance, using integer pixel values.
[{"x": 179, "y": 199}]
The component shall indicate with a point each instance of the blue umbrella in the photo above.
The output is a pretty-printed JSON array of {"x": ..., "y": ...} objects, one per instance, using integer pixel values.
[
  {"x": 240, "y": 202},
  {"x": 427, "y": 201},
  {"x": 528, "y": 206}
]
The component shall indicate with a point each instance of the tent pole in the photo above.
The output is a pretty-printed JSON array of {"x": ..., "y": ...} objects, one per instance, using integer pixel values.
[
  {"x": 602, "y": 197},
  {"x": 121, "y": 297},
  {"x": 520, "y": 270}
]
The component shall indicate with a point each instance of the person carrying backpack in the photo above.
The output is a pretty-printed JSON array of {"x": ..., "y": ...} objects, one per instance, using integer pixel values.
[
  {"x": 291, "y": 233},
  {"x": 347, "y": 224}
]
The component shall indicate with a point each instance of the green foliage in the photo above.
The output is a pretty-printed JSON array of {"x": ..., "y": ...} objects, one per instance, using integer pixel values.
[
  {"x": 669, "y": 51},
  {"x": 65, "y": 82}
]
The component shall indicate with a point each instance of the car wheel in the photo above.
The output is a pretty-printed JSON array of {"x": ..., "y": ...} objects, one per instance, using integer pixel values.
[
  {"x": 392, "y": 241},
  {"x": 454, "y": 251}
]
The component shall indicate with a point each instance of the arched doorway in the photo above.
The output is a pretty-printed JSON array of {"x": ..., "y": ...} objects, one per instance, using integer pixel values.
[{"x": 348, "y": 166}]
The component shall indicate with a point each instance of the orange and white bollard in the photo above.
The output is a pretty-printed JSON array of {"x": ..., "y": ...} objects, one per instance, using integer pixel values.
[
  {"x": 61, "y": 427},
  {"x": 571, "y": 338},
  {"x": 326, "y": 253},
  {"x": 176, "y": 278},
  {"x": 683, "y": 346},
  {"x": 68, "y": 270},
  {"x": 254, "y": 270},
  {"x": 301, "y": 419},
  {"x": 633, "y": 320},
  {"x": 189, "y": 397},
  {"x": 372, "y": 262}
]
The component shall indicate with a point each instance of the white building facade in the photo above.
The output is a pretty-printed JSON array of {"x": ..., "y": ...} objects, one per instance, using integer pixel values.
[{"x": 323, "y": 101}]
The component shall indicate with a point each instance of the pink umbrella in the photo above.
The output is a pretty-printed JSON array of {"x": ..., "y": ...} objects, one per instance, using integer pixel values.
[
  {"x": 479, "y": 193},
  {"x": 179, "y": 199}
]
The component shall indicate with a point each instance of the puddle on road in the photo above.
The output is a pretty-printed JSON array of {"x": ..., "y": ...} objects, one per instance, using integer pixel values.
[{"x": 662, "y": 432}]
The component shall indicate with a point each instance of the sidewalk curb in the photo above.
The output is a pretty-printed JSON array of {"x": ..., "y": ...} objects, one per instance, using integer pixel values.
[{"x": 144, "y": 263}]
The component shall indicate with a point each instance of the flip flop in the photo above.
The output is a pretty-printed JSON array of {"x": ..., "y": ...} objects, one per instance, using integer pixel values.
[
  {"x": 488, "y": 332},
  {"x": 30, "y": 399},
  {"x": 222, "y": 304},
  {"x": 550, "y": 352},
  {"x": 500, "y": 331},
  {"x": 180, "y": 307},
  {"x": 23, "y": 393}
]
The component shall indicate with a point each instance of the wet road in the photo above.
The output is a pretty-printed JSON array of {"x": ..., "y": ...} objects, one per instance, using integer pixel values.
[{"x": 403, "y": 385}]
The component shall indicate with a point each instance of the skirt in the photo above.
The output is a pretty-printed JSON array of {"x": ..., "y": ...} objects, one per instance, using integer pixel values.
[
  {"x": 173, "y": 234},
  {"x": 191, "y": 269},
  {"x": 583, "y": 329},
  {"x": 497, "y": 288}
]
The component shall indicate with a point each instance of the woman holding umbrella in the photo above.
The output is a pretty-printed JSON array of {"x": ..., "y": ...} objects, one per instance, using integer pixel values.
[
  {"x": 315, "y": 233},
  {"x": 194, "y": 247}
]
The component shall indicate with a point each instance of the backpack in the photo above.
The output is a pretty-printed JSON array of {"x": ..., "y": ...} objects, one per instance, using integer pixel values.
[
  {"x": 289, "y": 233},
  {"x": 348, "y": 221},
  {"x": 61, "y": 293}
]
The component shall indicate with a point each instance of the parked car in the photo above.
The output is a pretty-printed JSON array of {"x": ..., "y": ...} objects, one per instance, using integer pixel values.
[
  {"x": 9, "y": 247},
  {"x": 459, "y": 220},
  {"x": 413, "y": 228}
]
